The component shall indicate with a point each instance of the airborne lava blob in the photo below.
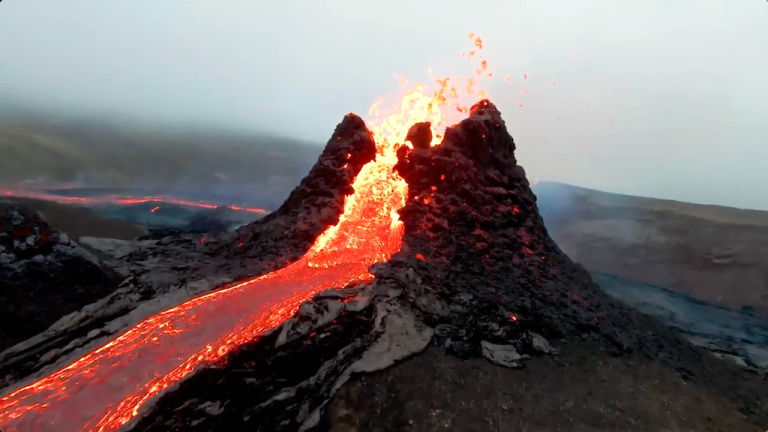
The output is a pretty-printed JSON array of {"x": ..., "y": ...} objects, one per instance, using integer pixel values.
[{"x": 105, "y": 389}]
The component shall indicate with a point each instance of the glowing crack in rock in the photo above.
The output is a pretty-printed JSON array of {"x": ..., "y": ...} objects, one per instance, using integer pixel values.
[{"x": 106, "y": 389}]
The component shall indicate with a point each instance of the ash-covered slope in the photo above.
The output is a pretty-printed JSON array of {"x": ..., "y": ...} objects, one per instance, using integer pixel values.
[
  {"x": 478, "y": 275},
  {"x": 43, "y": 275}
]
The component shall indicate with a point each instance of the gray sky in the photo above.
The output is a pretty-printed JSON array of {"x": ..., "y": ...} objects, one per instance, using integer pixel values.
[{"x": 682, "y": 81}]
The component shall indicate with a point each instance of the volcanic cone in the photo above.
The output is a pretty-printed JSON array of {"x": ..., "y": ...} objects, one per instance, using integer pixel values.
[{"x": 477, "y": 275}]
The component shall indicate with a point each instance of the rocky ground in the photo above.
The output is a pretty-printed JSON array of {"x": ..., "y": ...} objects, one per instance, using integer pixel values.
[
  {"x": 44, "y": 275},
  {"x": 503, "y": 330},
  {"x": 581, "y": 389}
]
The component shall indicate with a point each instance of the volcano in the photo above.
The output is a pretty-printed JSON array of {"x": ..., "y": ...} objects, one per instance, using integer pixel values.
[{"x": 384, "y": 250}]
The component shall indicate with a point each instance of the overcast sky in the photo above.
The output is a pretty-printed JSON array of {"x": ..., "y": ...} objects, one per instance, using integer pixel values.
[{"x": 663, "y": 98}]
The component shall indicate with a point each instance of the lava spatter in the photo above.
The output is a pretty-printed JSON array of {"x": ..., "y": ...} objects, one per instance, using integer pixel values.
[{"x": 106, "y": 389}]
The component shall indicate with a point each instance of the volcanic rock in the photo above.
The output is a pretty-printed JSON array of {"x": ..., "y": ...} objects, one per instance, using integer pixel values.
[
  {"x": 43, "y": 275},
  {"x": 286, "y": 234},
  {"x": 420, "y": 135},
  {"x": 477, "y": 276}
]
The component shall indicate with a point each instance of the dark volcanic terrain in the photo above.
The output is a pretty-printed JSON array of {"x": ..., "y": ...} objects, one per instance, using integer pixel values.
[
  {"x": 477, "y": 276},
  {"x": 480, "y": 322},
  {"x": 43, "y": 275}
]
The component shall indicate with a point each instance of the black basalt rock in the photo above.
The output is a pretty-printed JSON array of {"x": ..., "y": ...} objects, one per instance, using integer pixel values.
[
  {"x": 420, "y": 135},
  {"x": 43, "y": 275},
  {"x": 472, "y": 215},
  {"x": 315, "y": 204}
]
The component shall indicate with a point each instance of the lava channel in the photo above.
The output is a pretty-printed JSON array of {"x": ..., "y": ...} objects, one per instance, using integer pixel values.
[
  {"x": 117, "y": 199},
  {"x": 105, "y": 390}
]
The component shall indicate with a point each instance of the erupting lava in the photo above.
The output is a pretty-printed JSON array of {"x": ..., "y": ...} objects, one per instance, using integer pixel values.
[
  {"x": 105, "y": 389},
  {"x": 116, "y": 199}
]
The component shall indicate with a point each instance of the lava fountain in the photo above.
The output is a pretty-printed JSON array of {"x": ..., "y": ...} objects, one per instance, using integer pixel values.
[{"x": 104, "y": 390}]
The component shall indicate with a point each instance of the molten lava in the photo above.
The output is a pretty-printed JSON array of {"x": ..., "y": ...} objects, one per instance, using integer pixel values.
[
  {"x": 116, "y": 199},
  {"x": 105, "y": 389}
]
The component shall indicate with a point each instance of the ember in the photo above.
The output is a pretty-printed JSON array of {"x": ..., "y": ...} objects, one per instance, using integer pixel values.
[{"x": 105, "y": 389}]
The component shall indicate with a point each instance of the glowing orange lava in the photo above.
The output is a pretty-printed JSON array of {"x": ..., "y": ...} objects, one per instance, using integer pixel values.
[
  {"x": 116, "y": 199},
  {"x": 105, "y": 389}
]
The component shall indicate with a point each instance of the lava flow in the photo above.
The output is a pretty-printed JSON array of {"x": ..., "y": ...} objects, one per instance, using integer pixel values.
[
  {"x": 116, "y": 199},
  {"x": 104, "y": 390}
]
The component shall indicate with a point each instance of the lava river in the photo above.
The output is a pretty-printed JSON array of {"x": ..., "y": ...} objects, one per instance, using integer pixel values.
[
  {"x": 104, "y": 390},
  {"x": 26, "y": 192}
]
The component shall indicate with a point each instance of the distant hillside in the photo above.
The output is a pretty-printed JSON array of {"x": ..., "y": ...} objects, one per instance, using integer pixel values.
[
  {"x": 104, "y": 154},
  {"x": 713, "y": 253}
]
